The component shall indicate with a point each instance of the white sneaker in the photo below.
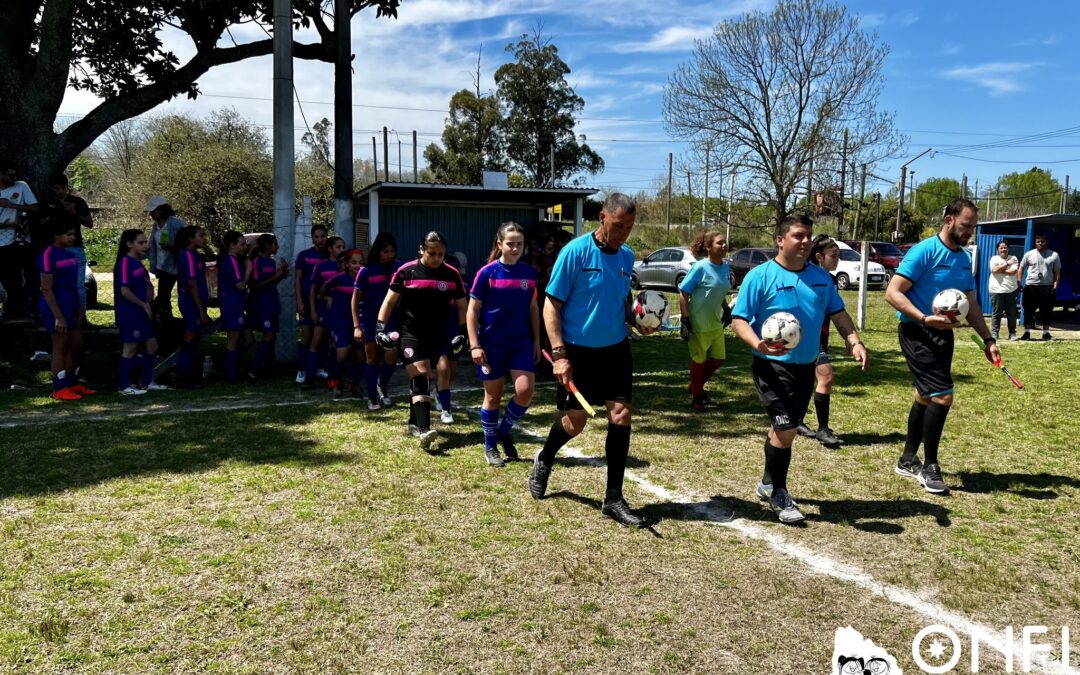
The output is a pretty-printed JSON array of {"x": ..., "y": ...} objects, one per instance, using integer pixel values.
[
  {"x": 301, "y": 377},
  {"x": 414, "y": 430},
  {"x": 446, "y": 417},
  {"x": 427, "y": 438},
  {"x": 322, "y": 374},
  {"x": 373, "y": 405},
  {"x": 384, "y": 397},
  {"x": 132, "y": 391},
  {"x": 386, "y": 401},
  {"x": 154, "y": 386}
]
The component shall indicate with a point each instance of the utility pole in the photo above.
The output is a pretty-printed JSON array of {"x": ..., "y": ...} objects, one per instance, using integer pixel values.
[
  {"x": 963, "y": 187},
  {"x": 689, "y": 203},
  {"x": 811, "y": 203},
  {"x": 900, "y": 201},
  {"x": 669, "y": 159},
  {"x": 399, "y": 158},
  {"x": 386, "y": 154},
  {"x": 858, "y": 207},
  {"x": 374, "y": 160},
  {"x": 1065, "y": 196},
  {"x": 865, "y": 249},
  {"x": 705, "y": 194},
  {"x": 877, "y": 216},
  {"x": 415, "y": 166},
  {"x": 551, "y": 162},
  {"x": 843, "y": 179},
  {"x": 284, "y": 168},
  {"x": 730, "y": 204},
  {"x": 911, "y": 179},
  {"x": 344, "y": 223}
]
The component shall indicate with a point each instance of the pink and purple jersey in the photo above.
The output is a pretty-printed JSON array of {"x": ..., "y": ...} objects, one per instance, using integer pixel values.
[
  {"x": 506, "y": 294},
  {"x": 64, "y": 268},
  {"x": 323, "y": 272},
  {"x": 373, "y": 282},
  {"x": 266, "y": 300},
  {"x": 306, "y": 262},
  {"x": 190, "y": 267},
  {"x": 340, "y": 291},
  {"x": 130, "y": 273},
  {"x": 231, "y": 273}
]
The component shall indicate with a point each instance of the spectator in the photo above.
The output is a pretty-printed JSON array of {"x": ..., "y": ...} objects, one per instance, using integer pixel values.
[
  {"x": 163, "y": 251},
  {"x": 1043, "y": 273},
  {"x": 17, "y": 272},
  {"x": 64, "y": 207},
  {"x": 1003, "y": 286}
]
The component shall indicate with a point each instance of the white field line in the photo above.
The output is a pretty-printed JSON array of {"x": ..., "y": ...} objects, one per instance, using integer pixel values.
[
  {"x": 716, "y": 513},
  {"x": 709, "y": 511}
]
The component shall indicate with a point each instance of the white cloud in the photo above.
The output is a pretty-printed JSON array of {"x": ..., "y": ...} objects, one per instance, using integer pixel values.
[
  {"x": 875, "y": 19},
  {"x": 1043, "y": 41},
  {"x": 670, "y": 39},
  {"x": 997, "y": 77}
]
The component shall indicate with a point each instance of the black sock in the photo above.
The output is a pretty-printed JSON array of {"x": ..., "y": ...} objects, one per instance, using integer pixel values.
[
  {"x": 914, "y": 431},
  {"x": 422, "y": 410},
  {"x": 557, "y": 438},
  {"x": 821, "y": 406},
  {"x": 933, "y": 425},
  {"x": 777, "y": 461},
  {"x": 617, "y": 448},
  {"x": 412, "y": 413}
]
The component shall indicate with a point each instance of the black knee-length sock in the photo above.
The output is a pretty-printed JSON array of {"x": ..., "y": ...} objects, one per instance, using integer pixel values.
[
  {"x": 556, "y": 438},
  {"x": 777, "y": 461},
  {"x": 617, "y": 449},
  {"x": 933, "y": 425},
  {"x": 821, "y": 407},
  {"x": 914, "y": 431}
]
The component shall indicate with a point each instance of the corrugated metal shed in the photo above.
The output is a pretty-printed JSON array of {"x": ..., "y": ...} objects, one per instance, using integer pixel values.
[
  {"x": 1062, "y": 235},
  {"x": 467, "y": 214}
]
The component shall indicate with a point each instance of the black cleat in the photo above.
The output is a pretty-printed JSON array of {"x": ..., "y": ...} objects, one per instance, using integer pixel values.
[
  {"x": 804, "y": 430},
  {"x": 509, "y": 449},
  {"x": 828, "y": 438},
  {"x": 620, "y": 512},
  {"x": 538, "y": 477}
]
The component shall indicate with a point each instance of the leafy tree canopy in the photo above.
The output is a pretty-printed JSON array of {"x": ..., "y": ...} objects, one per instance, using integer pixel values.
[{"x": 472, "y": 141}]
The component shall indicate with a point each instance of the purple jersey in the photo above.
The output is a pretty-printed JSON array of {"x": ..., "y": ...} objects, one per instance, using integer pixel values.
[
  {"x": 129, "y": 273},
  {"x": 506, "y": 294},
  {"x": 306, "y": 261},
  {"x": 340, "y": 291},
  {"x": 190, "y": 267},
  {"x": 323, "y": 272},
  {"x": 230, "y": 273},
  {"x": 373, "y": 282},
  {"x": 64, "y": 268},
  {"x": 266, "y": 300}
]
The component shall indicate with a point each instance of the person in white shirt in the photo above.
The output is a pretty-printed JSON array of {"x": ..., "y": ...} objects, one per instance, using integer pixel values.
[
  {"x": 1003, "y": 287},
  {"x": 17, "y": 273},
  {"x": 1043, "y": 268}
]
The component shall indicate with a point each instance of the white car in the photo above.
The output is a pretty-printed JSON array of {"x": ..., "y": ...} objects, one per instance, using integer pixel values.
[{"x": 849, "y": 271}]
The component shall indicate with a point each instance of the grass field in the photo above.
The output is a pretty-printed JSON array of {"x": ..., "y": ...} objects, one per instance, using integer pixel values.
[{"x": 282, "y": 532}]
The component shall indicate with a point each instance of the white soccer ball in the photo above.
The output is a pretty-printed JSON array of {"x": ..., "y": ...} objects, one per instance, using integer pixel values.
[
  {"x": 651, "y": 310},
  {"x": 782, "y": 329},
  {"x": 951, "y": 304}
]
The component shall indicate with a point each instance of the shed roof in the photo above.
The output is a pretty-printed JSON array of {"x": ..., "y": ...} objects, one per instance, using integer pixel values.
[
  {"x": 441, "y": 192},
  {"x": 1051, "y": 219}
]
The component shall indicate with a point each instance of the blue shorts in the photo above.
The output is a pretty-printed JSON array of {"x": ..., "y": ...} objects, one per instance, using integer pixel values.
[
  {"x": 324, "y": 314},
  {"x": 68, "y": 306},
  {"x": 304, "y": 320},
  {"x": 341, "y": 333},
  {"x": 502, "y": 361},
  {"x": 232, "y": 312},
  {"x": 189, "y": 311},
  {"x": 264, "y": 323},
  {"x": 135, "y": 327}
]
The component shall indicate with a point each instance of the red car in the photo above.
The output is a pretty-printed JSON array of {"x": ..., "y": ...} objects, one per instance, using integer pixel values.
[{"x": 884, "y": 253}]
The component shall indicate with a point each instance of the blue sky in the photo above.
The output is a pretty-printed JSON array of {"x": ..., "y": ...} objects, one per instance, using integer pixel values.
[{"x": 959, "y": 73}]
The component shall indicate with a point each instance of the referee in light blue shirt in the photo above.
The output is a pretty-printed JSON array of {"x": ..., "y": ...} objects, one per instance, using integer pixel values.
[{"x": 585, "y": 316}]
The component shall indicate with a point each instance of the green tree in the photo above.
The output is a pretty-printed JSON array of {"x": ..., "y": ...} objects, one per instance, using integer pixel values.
[
  {"x": 115, "y": 50},
  {"x": 315, "y": 173},
  {"x": 540, "y": 106},
  {"x": 87, "y": 177},
  {"x": 472, "y": 141},
  {"x": 932, "y": 194},
  {"x": 1027, "y": 193},
  {"x": 774, "y": 90},
  {"x": 216, "y": 173}
]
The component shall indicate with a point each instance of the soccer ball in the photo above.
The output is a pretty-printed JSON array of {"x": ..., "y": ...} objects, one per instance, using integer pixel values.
[
  {"x": 651, "y": 310},
  {"x": 951, "y": 304},
  {"x": 782, "y": 329}
]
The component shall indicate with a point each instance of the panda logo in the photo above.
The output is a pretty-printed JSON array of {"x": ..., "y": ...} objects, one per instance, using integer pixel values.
[
  {"x": 442, "y": 286},
  {"x": 524, "y": 284}
]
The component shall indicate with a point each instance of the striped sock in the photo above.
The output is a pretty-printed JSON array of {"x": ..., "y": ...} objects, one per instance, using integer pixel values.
[
  {"x": 513, "y": 413},
  {"x": 489, "y": 420}
]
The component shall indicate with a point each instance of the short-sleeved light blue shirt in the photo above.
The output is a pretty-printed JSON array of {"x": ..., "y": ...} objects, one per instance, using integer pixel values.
[
  {"x": 707, "y": 284},
  {"x": 593, "y": 285},
  {"x": 931, "y": 267},
  {"x": 809, "y": 294}
]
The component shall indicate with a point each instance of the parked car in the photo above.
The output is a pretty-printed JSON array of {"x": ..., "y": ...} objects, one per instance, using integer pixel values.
[
  {"x": 746, "y": 259},
  {"x": 663, "y": 268},
  {"x": 884, "y": 253},
  {"x": 904, "y": 248},
  {"x": 848, "y": 271}
]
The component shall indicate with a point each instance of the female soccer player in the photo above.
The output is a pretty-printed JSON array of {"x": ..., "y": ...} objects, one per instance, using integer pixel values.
[
  {"x": 306, "y": 261},
  {"x": 234, "y": 273},
  {"x": 424, "y": 288},
  {"x": 337, "y": 293},
  {"x": 369, "y": 291},
  {"x": 266, "y": 274},
  {"x": 320, "y": 315},
  {"x": 61, "y": 312},
  {"x": 133, "y": 302},
  {"x": 194, "y": 294},
  {"x": 504, "y": 328},
  {"x": 824, "y": 253},
  {"x": 705, "y": 312}
]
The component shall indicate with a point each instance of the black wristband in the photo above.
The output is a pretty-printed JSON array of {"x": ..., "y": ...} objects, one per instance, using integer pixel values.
[{"x": 989, "y": 341}]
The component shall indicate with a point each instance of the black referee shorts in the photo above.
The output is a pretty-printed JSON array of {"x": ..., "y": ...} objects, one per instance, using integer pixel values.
[
  {"x": 600, "y": 373},
  {"x": 929, "y": 355},
  {"x": 785, "y": 390}
]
